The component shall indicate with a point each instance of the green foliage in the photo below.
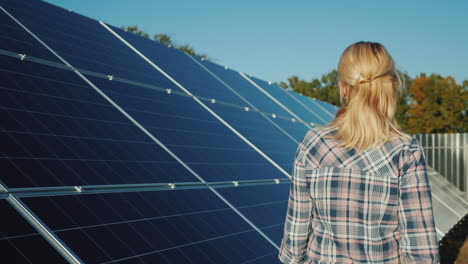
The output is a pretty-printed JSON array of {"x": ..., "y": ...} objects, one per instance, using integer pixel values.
[
  {"x": 187, "y": 49},
  {"x": 329, "y": 90},
  {"x": 163, "y": 38}
]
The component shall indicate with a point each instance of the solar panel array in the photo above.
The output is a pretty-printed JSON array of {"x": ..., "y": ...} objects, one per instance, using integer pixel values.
[{"x": 117, "y": 149}]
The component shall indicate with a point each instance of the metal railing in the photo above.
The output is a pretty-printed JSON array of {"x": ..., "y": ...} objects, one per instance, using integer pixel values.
[{"x": 448, "y": 155}]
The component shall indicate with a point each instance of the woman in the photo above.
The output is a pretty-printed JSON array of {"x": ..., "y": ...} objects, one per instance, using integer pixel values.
[{"x": 359, "y": 191}]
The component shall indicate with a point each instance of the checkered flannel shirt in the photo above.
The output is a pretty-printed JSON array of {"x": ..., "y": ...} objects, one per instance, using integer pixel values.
[{"x": 348, "y": 208}]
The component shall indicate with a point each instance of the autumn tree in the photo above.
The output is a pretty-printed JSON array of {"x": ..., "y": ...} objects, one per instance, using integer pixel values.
[{"x": 438, "y": 105}]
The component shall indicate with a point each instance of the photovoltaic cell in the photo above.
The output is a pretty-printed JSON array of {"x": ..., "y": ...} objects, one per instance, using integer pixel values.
[
  {"x": 20, "y": 243},
  {"x": 151, "y": 227}
]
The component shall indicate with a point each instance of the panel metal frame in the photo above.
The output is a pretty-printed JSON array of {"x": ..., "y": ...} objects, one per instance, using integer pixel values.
[{"x": 122, "y": 188}]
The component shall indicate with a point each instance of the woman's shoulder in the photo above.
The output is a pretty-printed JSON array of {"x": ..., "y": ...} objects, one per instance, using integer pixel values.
[
  {"x": 318, "y": 131},
  {"x": 315, "y": 134},
  {"x": 411, "y": 152},
  {"x": 407, "y": 146}
]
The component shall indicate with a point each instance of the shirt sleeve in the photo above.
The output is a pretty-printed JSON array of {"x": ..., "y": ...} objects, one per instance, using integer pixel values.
[
  {"x": 415, "y": 213},
  {"x": 298, "y": 215}
]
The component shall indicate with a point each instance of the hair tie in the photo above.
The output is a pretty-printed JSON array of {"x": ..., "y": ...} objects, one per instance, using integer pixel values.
[
  {"x": 365, "y": 81},
  {"x": 371, "y": 79}
]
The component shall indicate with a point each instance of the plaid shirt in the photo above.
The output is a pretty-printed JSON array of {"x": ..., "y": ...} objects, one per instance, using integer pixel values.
[{"x": 348, "y": 208}]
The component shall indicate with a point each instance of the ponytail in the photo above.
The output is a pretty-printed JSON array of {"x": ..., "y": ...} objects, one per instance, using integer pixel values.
[{"x": 368, "y": 73}]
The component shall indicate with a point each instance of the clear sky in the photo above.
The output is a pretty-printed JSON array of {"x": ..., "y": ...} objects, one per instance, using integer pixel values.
[{"x": 274, "y": 40}]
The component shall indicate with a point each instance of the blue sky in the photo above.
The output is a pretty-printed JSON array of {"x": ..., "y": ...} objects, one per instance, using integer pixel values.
[{"x": 274, "y": 40}]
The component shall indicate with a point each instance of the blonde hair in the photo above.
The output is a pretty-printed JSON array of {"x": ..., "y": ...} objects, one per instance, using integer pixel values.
[{"x": 367, "y": 118}]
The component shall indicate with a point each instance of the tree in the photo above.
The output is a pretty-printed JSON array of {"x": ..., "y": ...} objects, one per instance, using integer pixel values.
[
  {"x": 299, "y": 86},
  {"x": 163, "y": 38},
  {"x": 187, "y": 49},
  {"x": 438, "y": 105},
  {"x": 329, "y": 91}
]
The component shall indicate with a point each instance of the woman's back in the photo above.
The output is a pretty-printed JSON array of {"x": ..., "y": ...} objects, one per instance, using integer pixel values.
[{"x": 356, "y": 200}]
